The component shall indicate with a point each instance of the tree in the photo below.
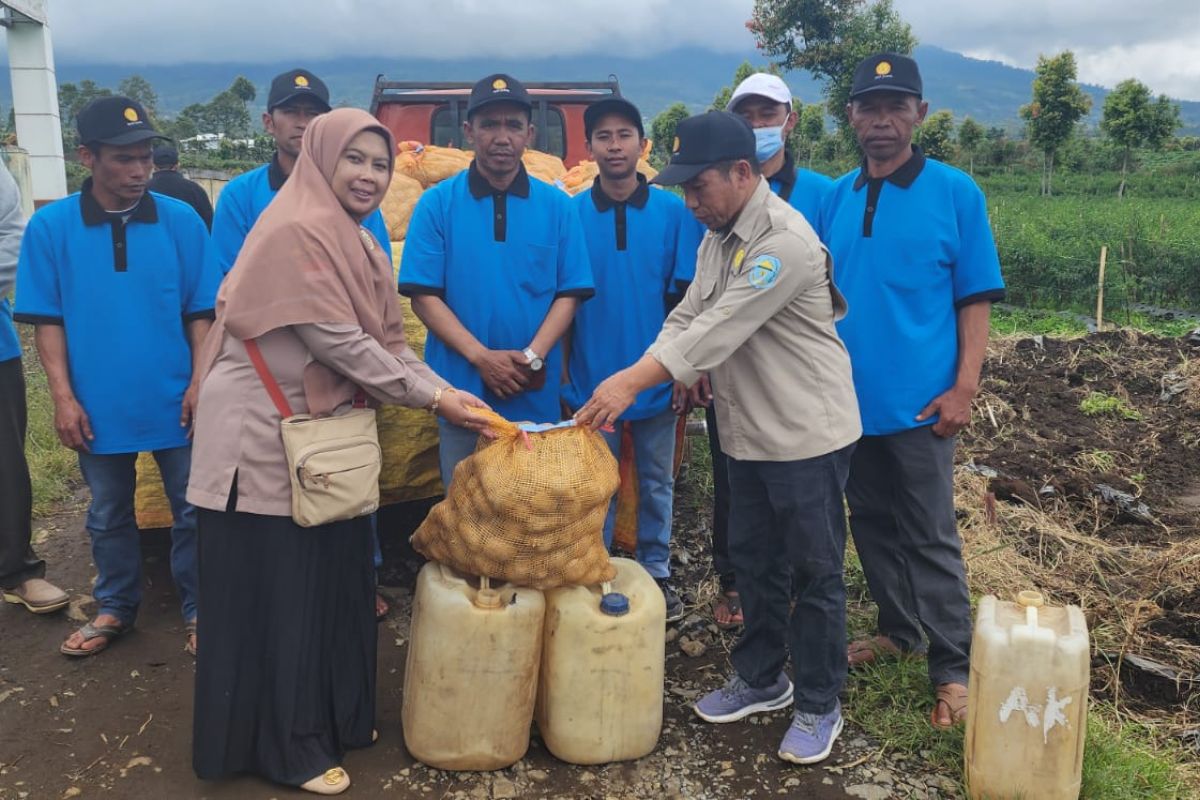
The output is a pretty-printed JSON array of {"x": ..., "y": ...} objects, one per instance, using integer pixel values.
[
  {"x": 1131, "y": 118},
  {"x": 662, "y": 129},
  {"x": 743, "y": 71},
  {"x": 71, "y": 100},
  {"x": 1058, "y": 103},
  {"x": 243, "y": 89},
  {"x": 828, "y": 38},
  {"x": 936, "y": 135},
  {"x": 811, "y": 129},
  {"x": 135, "y": 87},
  {"x": 970, "y": 135}
]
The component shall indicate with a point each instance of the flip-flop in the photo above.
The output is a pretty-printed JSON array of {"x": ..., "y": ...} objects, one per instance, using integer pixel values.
[
  {"x": 189, "y": 630},
  {"x": 108, "y": 633},
  {"x": 954, "y": 697},
  {"x": 733, "y": 604},
  {"x": 875, "y": 648}
]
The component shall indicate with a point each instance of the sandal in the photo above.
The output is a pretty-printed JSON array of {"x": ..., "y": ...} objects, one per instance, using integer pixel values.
[
  {"x": 876, "y": 648},
  {"x": 108, "y": 633},
  {"x": 731, "y": 604},
  {"x": 332, "y": 781},
  {"x": 190, "y": 643},
  {"x": 954, "y": 697}
]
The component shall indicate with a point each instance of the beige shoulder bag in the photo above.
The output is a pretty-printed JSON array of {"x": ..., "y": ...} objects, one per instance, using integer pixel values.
[{"x": 333, "y": 461}]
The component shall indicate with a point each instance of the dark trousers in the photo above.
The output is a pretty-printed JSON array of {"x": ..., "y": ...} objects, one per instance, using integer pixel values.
[
  {"x": 901, "y": 497},
  {"x": 17, "y": 561},
  {"x": 720, "y": 524},
  {"x": 787, "y": 539}
]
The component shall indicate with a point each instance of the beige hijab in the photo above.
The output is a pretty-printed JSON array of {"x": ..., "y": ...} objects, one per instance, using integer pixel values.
[{"x": 307, "y": 260}]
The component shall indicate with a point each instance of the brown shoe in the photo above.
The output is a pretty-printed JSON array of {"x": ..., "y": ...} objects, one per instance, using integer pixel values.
[{"x": 38, "y": 595}]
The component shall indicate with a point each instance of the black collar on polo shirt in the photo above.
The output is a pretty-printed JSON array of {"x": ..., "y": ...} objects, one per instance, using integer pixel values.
[
  {"x": 275, "y": 174},
  {"x": 903, "y": 177},
  {"x": 481, "y": 188},
  {"x": 639, "y": 198},
  {"x": 786, "y": 176},
  {"x": 94, "y": 214}
]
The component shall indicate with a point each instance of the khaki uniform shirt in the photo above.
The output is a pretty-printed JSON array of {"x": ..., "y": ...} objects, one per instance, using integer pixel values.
[{"x": 759, "y": 319}]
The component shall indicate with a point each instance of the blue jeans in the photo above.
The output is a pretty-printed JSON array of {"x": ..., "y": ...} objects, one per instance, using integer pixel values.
[
  {"x": 116, "y": 546},
  {"x": 654, "y": 455},
  {"x": 454, "y": 444},
  {"x": 787, "y": 540}
]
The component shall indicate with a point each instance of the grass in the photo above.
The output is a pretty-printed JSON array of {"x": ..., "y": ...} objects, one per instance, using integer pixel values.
[
  {"x": 1100, "y": 404},
  {"x": 1008, "y": 320},
  {"x": 53, "y": 469}
]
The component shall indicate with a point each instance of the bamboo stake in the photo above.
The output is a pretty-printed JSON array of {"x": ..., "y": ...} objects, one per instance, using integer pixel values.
[{"x": 1100, "y": 291}]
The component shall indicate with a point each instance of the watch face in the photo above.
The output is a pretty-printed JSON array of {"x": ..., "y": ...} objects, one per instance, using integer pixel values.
[{"x": 535, "y": 364}]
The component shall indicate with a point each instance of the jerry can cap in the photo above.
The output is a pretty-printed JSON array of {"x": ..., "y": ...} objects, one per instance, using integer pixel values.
[{"x": 614, "y": 604}]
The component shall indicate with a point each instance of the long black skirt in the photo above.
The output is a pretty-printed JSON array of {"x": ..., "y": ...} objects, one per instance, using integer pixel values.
[{"x": 285, "y": 675}]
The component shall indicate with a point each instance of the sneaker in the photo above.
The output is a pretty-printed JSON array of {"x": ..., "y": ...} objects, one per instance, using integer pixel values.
[
  {"x": 674, "y": 604},
  {"x": 810, "y": 737},
  {"x": 738, "y": 700}
]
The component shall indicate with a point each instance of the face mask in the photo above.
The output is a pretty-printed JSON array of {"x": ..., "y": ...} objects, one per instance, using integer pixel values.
[{"x": 768, "y": 142}]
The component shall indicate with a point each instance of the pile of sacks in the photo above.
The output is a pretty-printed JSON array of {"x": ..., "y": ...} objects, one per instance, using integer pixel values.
[{"x": 409, "y": 437}]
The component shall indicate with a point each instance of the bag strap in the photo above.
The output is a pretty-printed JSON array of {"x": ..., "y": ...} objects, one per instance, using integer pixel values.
[
  {"x": 260, "y": 366},
  {"x": 264, "y": 374}
]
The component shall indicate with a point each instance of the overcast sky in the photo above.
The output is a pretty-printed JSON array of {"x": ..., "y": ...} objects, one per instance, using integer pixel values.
[{"x": 1156, "y": 41}]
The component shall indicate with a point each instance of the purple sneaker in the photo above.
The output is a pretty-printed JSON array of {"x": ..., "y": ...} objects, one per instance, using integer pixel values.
[
  {"x": 811, "y": 736},
  {"x": 738, "y": 700}
]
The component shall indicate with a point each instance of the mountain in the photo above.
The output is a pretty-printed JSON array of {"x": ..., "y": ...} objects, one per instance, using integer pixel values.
[{"x": 988, "y": 91}]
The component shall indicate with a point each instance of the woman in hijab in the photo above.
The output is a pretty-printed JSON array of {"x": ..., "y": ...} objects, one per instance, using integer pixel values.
[{"x": 285, "y": 674}]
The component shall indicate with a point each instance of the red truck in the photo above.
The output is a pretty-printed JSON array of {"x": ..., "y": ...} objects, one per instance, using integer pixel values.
[{"x": 433, "y": 113}]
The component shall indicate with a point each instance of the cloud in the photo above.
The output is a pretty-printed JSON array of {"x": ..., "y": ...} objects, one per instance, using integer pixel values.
[{"x": 1156, "y": 41}]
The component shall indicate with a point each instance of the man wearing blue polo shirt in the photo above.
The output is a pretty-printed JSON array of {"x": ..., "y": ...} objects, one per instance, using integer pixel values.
[
  {"x": 642, "y": 247},
  {"x": 914, "y": 256},
  {"x": 764, "y": 101},
  {"x": 22, "y": 573},
  {"x": 496, "y": 265},
  {"x": 296, "y": 98},
  {"x": 121, "y": 286}
]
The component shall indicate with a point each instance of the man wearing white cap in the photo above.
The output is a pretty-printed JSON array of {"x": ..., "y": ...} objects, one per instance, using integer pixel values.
[{"x": 764, "y": 101}]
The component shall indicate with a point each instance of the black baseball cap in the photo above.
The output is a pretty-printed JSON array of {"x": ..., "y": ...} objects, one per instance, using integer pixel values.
[
  {"x": 294, "y": 84},
  {"x": 498, "y": 88},
  {"x": 704, "y": 140},
  {"x": 611, "y": 105},
  {"x": 165, "y": 155},
  {"x": 114, "y": 120},
  {"x": 886, "y": 72}
]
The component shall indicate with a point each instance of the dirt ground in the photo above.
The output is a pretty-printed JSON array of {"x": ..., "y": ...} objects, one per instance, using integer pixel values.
[{"x": 1036, "y": 505}]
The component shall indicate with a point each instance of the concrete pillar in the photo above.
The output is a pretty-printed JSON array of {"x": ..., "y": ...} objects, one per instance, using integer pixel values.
[{"x": 35, "y": 101}]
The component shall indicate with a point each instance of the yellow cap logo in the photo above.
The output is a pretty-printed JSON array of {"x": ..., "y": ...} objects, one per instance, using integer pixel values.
[
  {"x": 301, "y": 82},
  {"x": 499, "y": 84},
  {"x": 675, "y": 145},
  {"x": 131, "y": 114},
  {"x": 883, "y": 68}
]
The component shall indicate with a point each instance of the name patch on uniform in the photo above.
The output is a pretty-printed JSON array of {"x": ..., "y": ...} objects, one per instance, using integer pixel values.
[{"x": 763, "y": 272}]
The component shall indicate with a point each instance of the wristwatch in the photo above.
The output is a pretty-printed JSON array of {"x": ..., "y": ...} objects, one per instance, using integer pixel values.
[{"x": 533, "y": 359}]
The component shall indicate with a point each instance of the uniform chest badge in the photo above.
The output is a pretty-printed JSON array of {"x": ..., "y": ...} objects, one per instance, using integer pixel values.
[
  {"x": 738, "y": 258},
  {"x": 763, "y": 272}
]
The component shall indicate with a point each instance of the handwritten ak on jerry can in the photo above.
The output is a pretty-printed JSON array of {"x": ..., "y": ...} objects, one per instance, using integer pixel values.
[
  {"x": 1027, "y": 704},
  {"x": 600, "y": 698},
  {"x": 471, "y": 677}
]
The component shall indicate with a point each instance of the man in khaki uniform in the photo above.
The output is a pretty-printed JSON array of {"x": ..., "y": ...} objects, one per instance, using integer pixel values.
[{"x": 759, "y": 319}]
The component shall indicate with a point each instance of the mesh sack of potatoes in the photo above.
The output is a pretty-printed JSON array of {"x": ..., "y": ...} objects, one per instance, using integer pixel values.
[
  {"x": 543, "y": 166},
  {"x": 429, "y": 164},
  {"x": 398, "y": 204},
  {"x": 527, "y": 508}
]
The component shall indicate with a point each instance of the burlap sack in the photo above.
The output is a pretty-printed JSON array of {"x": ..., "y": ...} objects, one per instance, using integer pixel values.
[
  {"x": 527, "y": 508},
  {"x": 398, "y": 204},
  {"x": 430, "y": 164},
  {"x": 543, "y": 166}
]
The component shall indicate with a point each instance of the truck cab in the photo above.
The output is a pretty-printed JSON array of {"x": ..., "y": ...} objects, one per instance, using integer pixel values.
[{"x": 433, "y": 113}]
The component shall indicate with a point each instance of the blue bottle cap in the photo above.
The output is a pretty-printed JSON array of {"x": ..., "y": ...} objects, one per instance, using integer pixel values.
[{"x": 614, "y": 604}]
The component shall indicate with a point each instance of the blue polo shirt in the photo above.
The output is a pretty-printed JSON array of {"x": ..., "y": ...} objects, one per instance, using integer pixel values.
[
  {"x": 243, "y": 200},
  {"x": 10, "y": 346},
  {"x": 499, "y": 260},
  {"x": 123, "y": 287},
  {"x": 803, "y": 189},
  {"x": 909, "y": 251},
  {"x": 642, "y": 250}
]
